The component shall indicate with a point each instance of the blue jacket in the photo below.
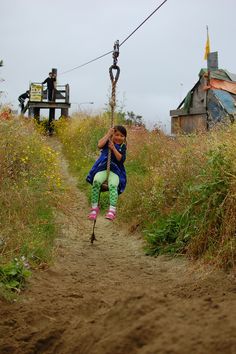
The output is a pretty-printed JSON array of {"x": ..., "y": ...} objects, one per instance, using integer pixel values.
[{"x": 116, "y": 166}]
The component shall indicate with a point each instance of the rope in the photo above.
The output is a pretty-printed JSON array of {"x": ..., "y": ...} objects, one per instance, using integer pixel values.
[
  {"x": 114, "y": 80},
  {"x": 112, "y": 104}
]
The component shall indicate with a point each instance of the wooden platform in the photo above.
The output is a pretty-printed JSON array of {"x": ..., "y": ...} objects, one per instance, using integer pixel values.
[
  {"x": 48, "y": 105},
  {"x": 38, "y": 99}
]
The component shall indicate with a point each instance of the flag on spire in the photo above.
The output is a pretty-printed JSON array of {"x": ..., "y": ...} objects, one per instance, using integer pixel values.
[{"x": 207, "y": 47}]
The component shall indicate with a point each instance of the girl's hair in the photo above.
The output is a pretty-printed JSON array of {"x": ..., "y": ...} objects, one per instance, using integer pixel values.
[{"x": 121, "y": 129}]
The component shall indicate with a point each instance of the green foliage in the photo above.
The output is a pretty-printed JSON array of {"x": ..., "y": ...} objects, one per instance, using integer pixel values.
[
  {"x": 163, "y": 235},
  {"x": 14, "y": 274},
  {"x": 43, "y": 231},
  {"x": 202, "y": 214},
  {"x": 137, "y": 167}
]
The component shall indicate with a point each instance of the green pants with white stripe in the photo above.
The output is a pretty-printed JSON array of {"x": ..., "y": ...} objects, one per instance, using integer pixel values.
[{"x": 113, "y": 182}]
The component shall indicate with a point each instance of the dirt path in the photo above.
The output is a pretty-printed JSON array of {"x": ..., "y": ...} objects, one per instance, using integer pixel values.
[{"x": 109, "y": 298}]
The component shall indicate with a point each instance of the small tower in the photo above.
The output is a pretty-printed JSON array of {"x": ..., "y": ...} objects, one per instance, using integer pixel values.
[{"x": 38, "y": 100}]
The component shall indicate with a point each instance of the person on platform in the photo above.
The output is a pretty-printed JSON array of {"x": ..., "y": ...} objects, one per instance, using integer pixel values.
[
  {"x": 22, "y": 99},
  {"x": 50, "y": 81}
]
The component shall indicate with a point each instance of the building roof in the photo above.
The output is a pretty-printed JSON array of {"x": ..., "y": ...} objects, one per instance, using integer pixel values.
[
  {"x": 222, "y": 84},
  {"x": 219, "y": 74}
]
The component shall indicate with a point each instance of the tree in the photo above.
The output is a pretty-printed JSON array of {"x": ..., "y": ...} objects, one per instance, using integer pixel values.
[{"x": 134, "y": 119}]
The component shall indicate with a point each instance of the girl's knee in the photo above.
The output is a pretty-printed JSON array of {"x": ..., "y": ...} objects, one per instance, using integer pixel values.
[
  {"x": 113, "y": 186},
  {"x": 96, "y": 183}
]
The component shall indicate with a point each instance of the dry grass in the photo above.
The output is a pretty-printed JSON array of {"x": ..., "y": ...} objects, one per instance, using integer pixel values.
[{"x": 29, "y": 183}]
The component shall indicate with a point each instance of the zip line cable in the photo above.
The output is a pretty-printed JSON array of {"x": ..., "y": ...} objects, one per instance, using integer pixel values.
[
  {"x": 103, "y": 55},
  {"x": 88, "y": 62},
  {"x": 142, "y": 23}
]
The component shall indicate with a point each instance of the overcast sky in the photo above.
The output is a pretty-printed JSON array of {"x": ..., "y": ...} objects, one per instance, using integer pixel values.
[{"x": 159, "y": 63}]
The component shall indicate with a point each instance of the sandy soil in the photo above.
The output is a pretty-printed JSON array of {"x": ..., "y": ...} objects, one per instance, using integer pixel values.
[{"x": 109, "y": 298}]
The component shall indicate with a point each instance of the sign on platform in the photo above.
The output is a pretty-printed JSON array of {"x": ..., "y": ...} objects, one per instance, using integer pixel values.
[{"x": 36, "y": 92}]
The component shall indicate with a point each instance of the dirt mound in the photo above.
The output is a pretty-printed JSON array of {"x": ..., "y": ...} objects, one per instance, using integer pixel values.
[{"x": 109, "y": 298}]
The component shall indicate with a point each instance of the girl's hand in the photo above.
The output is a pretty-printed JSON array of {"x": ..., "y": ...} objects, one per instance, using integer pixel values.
[
  {"x": 106, "y": 138},
  {"x": 111, "y": 145},
  {"x": 110, "y": 132}
]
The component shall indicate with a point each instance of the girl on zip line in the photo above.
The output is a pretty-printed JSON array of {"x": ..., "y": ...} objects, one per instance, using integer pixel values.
[{"x": 114, "y": 139}]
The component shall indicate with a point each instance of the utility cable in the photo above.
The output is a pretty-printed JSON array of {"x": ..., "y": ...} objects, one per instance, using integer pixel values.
[{"x": 103, "y": 55}]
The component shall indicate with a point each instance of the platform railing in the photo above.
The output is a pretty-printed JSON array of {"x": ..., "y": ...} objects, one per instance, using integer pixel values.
[{"x": 38, "y": 93}]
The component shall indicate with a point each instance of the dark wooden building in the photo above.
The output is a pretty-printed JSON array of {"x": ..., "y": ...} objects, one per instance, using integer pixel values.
[{"x": 211, "y": 100}]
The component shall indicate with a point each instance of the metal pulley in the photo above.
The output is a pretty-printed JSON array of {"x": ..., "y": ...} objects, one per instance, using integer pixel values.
[{"x": 115, "y": 67}]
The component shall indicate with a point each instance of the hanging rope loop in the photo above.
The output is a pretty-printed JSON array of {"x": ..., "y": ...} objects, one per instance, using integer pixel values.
[{"x": 116, "y": 77}]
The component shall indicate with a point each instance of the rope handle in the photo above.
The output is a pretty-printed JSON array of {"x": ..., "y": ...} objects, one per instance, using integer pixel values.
[{"x": 114, "y": 80}]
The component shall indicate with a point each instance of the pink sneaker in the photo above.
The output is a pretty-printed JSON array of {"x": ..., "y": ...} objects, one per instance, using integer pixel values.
[
  {"x": 110, "y": 215},
  {"x": 93, "y": 213}
]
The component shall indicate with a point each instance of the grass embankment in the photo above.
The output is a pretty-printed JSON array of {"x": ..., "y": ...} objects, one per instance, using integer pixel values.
[
  {"x": 29, "y": 185},
  {"x": 181, "y": 192}
]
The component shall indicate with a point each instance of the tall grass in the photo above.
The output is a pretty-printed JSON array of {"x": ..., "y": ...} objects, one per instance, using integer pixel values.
[
  {"x": 29, "y": 185},
  {"x": 186, "y": 200},
  {"x": 180, "y": 191}
]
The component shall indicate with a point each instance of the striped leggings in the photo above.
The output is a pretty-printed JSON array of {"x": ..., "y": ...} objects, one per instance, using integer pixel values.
[{"x": 113, "y": 182}]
